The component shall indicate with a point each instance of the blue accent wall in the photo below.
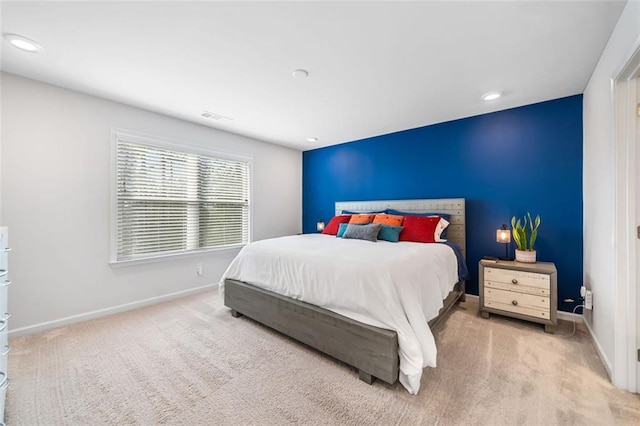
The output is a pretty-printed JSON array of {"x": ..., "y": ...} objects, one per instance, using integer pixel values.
[{"x": 526, "y": 159}]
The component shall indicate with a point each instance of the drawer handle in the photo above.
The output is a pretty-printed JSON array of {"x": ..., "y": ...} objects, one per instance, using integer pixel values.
[
  {"x": 514, "y": 302},
  {"x": 3, "y": 325},
  {"x": 514, "y": 281},
  {"x": 3, "y": 272},
  {"x": 5, "y": 283},
  {"x": 7, "y": 315},
  {"x": 6, "y": 249},
  {"x": 5, "y": 382},
  {"x": 7, "y": 348}
]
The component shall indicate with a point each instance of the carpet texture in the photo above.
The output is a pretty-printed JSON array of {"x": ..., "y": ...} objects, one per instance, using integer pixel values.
[{"x": 188, "y": 362}]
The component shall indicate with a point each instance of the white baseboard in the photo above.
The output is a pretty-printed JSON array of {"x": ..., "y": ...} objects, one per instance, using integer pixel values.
[
  {"x": 601, "y": 354},
  {"x": 30, "y": 329},
  {"x": 568, "y": 316},
  {"x": 577, "y": 318}
]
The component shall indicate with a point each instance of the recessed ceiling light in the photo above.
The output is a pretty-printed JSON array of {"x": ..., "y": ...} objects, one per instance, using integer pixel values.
[
  {"x": 301, "y": 73},
  {"x": 491, "y": 96},
  {"x": 312, "y": 139},
  {"x": 23, "y": 43},
  {"x": 215, "y": 116}
]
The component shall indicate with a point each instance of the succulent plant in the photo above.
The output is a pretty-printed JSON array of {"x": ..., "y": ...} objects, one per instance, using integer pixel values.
[{"x": 525, "y": 231}]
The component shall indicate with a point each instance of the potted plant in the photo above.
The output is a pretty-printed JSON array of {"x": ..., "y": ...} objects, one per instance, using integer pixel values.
[{"x": 525, "y": 238}]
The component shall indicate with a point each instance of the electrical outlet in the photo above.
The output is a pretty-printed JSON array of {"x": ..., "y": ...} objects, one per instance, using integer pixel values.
[
  {"x": 199, "y": 268},
  {"x": 588, "y": 300}
]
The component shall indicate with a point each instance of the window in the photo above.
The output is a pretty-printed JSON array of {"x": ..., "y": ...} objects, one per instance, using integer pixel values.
[{"x": 169, "y": 200}]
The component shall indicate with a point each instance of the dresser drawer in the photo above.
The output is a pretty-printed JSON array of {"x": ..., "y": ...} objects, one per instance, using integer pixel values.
[
  {"x": 530, "y": 312},
  {"x": 537, "y": 291},
  {"x": 507, "y": 276},
  {"x": 509, "y": 297}
]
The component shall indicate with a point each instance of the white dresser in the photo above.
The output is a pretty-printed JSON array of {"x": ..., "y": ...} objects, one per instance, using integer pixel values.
[
  {"x": 526, "y": 291},
  {"x": 4, "y": 316}
]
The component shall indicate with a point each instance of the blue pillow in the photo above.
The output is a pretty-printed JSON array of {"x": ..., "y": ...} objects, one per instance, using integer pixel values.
[
  {"x": 367, "y": 232},
  {"x": 445, "y": 216},
  {"x": 390, "y": 233},
  {"x": 350, "y": 212}
]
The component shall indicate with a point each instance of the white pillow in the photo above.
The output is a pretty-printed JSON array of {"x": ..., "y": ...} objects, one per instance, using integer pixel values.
[{"x": 441, "y": 226}]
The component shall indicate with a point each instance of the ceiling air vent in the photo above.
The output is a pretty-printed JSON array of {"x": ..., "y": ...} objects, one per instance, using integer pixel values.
[{"x": 215, "y": 116}]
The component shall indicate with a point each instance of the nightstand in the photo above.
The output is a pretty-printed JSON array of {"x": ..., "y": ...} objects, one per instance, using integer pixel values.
[{"x": 527, "y": 291}]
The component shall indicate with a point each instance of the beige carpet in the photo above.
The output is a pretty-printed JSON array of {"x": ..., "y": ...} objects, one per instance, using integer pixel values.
[{"x": 188, "y": 362}]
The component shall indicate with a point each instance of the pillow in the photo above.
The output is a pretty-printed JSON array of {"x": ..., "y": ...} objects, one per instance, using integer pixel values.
[
  {"x": 390, "y": 233},
  {"x": 419, "y": 229},
  {"x": 396, "y": 212},
  {"x": 362, "y": 218},
  {"x": 332, "y": 226},
  {"x": 368, "y": 232},
  {"x": 350, "y": 212},
  {"x": 388, "y": 219},
  {"x": 341, "y": 229},
  {"x": 440, "y": 228},
  {"x": 445, "y": 216}
]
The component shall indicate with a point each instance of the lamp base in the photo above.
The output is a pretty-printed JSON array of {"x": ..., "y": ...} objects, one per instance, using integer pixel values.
[{"x": 506, "y": 253}]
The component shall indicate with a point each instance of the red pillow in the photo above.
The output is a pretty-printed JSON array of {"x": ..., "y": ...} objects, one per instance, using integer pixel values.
[
  {"x": 419, "y": 229},
  {"x": 334, "y": 224}
]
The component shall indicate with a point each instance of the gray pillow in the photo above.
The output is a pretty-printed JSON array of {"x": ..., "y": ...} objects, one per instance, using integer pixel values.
[{"x": 362, "y": 232}]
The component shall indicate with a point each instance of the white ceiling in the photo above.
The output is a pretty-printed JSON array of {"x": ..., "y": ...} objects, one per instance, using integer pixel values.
[{"x": 374, "y": 67}]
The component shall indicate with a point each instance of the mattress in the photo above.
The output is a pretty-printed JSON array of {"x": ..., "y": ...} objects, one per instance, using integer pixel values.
[{"x": 397, "y": 286}]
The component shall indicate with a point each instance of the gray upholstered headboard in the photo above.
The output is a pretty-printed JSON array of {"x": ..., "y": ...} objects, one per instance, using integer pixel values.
[{"x": 452, "y": 206}]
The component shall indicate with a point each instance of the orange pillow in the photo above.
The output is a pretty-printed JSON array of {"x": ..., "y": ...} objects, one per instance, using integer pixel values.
[
  {"x": 388, "y": 219},
  {"x": 362, "y": 218}
]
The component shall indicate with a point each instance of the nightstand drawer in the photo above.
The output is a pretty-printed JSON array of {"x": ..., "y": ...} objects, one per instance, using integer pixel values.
[
  {"x": 507, "y": 276},
  {"x": 518, "y": 288},
  {"x": 515, "y": 299},
  {"x": 530, "y": 312}
]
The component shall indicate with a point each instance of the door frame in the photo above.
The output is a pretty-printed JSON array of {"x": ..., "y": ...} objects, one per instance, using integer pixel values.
[{"x": 625, "y": 367}]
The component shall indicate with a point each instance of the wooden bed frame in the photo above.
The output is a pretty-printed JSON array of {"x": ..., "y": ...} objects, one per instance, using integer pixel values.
[{"x": 371, "y": 350}]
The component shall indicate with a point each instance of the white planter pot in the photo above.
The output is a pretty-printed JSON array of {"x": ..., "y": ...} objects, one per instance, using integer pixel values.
[{"x": 526, "y": 256}]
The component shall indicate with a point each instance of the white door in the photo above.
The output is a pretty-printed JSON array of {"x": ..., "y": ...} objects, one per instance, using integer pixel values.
[{"x": 637, "y": 196}]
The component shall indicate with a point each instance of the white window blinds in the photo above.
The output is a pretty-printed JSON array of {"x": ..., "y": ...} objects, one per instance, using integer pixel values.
[{"x": 172, "y": 201}]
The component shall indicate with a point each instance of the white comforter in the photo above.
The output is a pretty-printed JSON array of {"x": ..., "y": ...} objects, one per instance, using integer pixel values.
[{"x": 397, "y": 286}]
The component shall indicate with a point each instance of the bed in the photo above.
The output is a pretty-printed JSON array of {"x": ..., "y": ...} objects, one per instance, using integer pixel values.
[{"x": 359, "y": 326}]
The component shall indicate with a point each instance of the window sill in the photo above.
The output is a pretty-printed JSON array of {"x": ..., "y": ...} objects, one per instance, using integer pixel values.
[{"x": 172, "y": 256}]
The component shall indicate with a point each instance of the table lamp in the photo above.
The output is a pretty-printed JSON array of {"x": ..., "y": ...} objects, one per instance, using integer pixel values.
[{"x": 503, "y": 235}]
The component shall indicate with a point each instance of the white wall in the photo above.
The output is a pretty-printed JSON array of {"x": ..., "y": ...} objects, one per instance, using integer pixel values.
[
  {"x": 1, "y": 47},
  {"x": 55, "y": 190},
  {"x": 599, "y": 179}
]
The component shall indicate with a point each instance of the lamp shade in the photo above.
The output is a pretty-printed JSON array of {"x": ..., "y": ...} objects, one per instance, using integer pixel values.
[
  {"x": 503, "y": 235},
  {"x": 320, "y": 226}
]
